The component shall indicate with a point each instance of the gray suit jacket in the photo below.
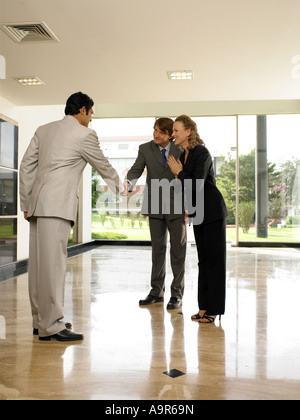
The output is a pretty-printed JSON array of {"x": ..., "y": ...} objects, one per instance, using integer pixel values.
[
  {"x": 52, "y": 166},
  {"x": 150, "y": 157}
]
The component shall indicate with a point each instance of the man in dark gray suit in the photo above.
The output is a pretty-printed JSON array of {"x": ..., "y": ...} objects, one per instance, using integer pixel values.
[{"x": 162, "y": 215}]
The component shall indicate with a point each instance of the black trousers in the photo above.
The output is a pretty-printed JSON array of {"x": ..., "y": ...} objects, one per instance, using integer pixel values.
[{"x": 211, "y": 247}]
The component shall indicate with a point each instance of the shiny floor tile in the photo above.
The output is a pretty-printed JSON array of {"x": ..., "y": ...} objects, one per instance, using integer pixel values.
[{"x": 253, "y": 353}]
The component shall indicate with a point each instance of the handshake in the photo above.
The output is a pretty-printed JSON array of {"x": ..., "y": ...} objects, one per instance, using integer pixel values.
[
  {"x": 174, "y": 164},
  {"x": 128, "y": 188}
]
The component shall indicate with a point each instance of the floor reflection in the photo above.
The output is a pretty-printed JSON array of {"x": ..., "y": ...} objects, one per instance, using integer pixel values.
[{"x": 251, "y": 354}]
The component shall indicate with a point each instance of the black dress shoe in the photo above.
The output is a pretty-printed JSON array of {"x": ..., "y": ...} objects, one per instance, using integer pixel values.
[
  {"x": 174, "y": 303},
  {"x": 150, "y": 300},
  {"x": 67, "y": 324},
  {"x": 64, "y": 335}
]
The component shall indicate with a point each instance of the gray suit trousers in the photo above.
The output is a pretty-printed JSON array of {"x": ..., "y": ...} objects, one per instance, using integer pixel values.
[
  {"x": 159, "y": 234},
  {"x": 47, "y": 269}
]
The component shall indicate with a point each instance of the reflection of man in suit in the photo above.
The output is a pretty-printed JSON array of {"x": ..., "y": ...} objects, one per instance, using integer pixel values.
[
  {"x": 49, "y": 178},
  {"x": 153, "y": 155}
]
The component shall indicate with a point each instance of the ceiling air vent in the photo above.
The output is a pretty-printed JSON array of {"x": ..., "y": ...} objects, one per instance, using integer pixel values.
[{"x": 28, "y": 32}]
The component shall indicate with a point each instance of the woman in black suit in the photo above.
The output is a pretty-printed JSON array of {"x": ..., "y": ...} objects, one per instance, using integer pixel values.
[{"x": 210, "y": 228}]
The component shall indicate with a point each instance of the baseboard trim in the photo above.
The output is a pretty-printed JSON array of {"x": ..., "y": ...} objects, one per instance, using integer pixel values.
[{"x": 14, "y": 269}]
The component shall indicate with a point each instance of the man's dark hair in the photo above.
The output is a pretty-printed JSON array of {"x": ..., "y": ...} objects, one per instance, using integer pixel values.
[{"x": 76, "y": 101}]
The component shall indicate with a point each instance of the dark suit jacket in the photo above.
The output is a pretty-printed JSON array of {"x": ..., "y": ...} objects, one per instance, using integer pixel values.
[
  {"x": 199, "y": 166},
  {"x": 150, "y": 157}
]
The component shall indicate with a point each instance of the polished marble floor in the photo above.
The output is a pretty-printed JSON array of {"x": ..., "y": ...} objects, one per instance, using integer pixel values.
[{"x": 133, "y": 353}]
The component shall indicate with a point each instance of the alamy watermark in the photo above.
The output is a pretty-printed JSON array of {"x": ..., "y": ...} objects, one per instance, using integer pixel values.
[{"x": 161, "y": 197}]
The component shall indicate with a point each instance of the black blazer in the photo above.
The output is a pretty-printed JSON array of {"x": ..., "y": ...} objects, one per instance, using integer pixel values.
[{"x": 199, "y": 166}]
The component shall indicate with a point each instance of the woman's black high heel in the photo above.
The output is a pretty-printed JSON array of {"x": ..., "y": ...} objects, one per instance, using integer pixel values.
[{"x": 210, "y": 319}]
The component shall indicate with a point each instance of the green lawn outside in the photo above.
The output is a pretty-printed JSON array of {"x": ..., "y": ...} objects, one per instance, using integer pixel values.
[
  {"x": 274, "y": 235},
  {"x": 140, "y": 231},
  {"x": 7, "y": 231},
  {"x": 112, "y": 225}
]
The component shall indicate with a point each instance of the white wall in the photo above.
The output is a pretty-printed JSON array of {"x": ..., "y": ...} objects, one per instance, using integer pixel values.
[{"x": 8, "y": 109}]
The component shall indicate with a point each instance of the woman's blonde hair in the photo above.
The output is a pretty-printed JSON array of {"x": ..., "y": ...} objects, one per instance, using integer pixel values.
[{"x": 194, "y": 138}]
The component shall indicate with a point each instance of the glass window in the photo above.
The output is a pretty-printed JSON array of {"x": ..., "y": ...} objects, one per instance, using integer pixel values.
[
  {"x": 8, "y": 240},
  {"x": 120, "y": 140},
  {"x": 269, "y": 175},
  {"x": 247, "y": 181},
  {"x": 269, "y": 181},
  {"x": 8, "y": 192},
  {"x": 8, "y": 145},
  {"x": 115, "y": 217},
  {"x": 283, "y": 150}
]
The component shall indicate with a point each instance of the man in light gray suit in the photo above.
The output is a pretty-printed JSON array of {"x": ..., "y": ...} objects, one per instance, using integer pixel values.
[
  {"x": 163, "y": 217},
  {"x": 50, "y": 173}
]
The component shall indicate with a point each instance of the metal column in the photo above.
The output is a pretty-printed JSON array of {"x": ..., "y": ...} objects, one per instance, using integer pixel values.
[{"x": 261, "y": 178}]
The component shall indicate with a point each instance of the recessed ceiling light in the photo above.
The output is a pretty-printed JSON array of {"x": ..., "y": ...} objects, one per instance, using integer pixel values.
[
  {"x": 30, "y": 81},
  {"x": 180, "y": 75}
]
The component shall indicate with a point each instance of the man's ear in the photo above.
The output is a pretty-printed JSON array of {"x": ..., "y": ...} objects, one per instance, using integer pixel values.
[{"x": 82, "y": 110}]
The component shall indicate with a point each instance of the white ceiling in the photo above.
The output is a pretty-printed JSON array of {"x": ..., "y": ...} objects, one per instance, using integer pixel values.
[{"x": 119, "y": 51}]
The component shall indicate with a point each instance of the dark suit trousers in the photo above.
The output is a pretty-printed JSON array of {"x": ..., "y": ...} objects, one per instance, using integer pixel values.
[
  {"x": 159, "y": 234},
  {"x": 211, "y": 246}
]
